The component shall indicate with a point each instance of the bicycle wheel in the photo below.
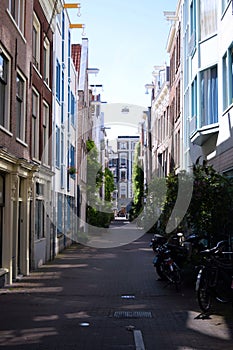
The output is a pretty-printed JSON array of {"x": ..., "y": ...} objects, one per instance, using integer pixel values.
[{"x": 203, "y": 291}]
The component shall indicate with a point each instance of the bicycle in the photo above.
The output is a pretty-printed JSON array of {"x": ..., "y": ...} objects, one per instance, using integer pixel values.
[{"x": 215, "y": 277}]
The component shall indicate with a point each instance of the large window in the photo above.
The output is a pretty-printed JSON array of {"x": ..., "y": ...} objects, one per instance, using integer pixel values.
[
  {"x": 17, "y": 9},
  {"x": 35, "y": 124},
  {"x": 209, "y": 96},
  {"x": 36, "y": 42},
  {"x": 208, "y": 17},
  {"x": 20, "y": 107},
  {"x": 4, "y": 89},
  {"x": 45, "y": 133}
]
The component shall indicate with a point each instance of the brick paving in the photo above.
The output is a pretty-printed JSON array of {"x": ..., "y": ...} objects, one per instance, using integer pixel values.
[{"x": 72, "y": 303}]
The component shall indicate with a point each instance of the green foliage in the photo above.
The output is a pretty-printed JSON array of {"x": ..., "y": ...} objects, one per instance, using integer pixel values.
[
  {"x": 94, "y": 171},
  {"x": 108, "y": 184},
  {"x": 98, "y": 215},
  {"x": 137, "y": 184},
  {"x": 210, "y": 213}
]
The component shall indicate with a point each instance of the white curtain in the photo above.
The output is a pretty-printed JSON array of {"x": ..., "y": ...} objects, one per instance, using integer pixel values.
[{"x": 208, "y": 17}]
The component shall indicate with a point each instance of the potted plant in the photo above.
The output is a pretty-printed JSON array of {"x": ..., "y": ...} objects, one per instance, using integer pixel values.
[{"x": 72, "y": 170}]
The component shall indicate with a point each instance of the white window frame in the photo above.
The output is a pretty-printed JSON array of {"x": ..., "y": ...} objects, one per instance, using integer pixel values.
[
  {"x": 17, "y": 11},
  {"x": 21, "y": 101},
  {"x": 36, "y": 45},
  {"x": 46, "y": 58},
  {"x": 5, "y": 124},
  {"x": 35, "y": 124},
  {"x": 45, "y": 119}
]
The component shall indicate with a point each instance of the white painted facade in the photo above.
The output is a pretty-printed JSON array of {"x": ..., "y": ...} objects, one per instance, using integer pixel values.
[
  {"x": 207, "y": 84},
  {"x": 64, "y": 136}
]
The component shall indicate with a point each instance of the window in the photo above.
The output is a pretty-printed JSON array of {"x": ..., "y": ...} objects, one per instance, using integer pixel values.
[
  {"x": 231, "y": 75},
  {"x": 36, "y": 42},
  {"x": 225, "y": 4},
  {"x": 62, "y": 96},
  {"x": 58, "y": 81},
  {"x": 123, "y": 159},
  {"x": 45, "y": 133},
  {"x": 39, "y": 219},
  {"x": 208, "y": 18},
  {"x": 20, "y": 107},
  {"x": 17, "y": 8},
  {"x": 209, "y": 96},
  {"x": 58, "y": 150},
  {"x": 227, "y": 76},
  {"x": 35, "y": 124},
  {"x": 4, "y": 90},
  {"x": 122, "y": 145},
  {"x": 73, "y": 108},
  {"x": 123, "y": 175},
  {"x": 62, "y": 161},
  {"x": 193, "y": 17},
  {"x": 194, "y": 98},
  {"x": 123, "y": 191},
  {"x": 225, "y": 82},
  {"x": 46, "y": 61}
]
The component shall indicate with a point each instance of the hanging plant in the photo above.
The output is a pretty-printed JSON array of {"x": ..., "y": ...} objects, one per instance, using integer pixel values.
[{"x": 72, "y": 170}]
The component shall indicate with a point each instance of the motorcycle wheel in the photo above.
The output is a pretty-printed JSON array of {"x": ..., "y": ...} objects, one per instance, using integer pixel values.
[
  {"x": 174, "y": 276},
  {"x": 160, "y": 272},
  {"x": 204, "y": 296}
]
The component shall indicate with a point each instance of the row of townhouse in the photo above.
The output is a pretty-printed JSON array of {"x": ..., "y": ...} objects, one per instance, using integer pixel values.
[
  {"x": 191, "y": 114},
  {"x": 45, "y": 120},
  {"x": 120, "y": 162}
]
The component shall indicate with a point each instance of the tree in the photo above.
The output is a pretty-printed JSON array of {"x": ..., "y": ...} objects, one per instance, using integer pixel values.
[
  {"x": 108, "y": 184},
  {"x": 137, "y": 184}
]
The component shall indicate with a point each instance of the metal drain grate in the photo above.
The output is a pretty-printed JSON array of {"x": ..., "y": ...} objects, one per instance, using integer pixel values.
[{"x": 132, "y": 314}]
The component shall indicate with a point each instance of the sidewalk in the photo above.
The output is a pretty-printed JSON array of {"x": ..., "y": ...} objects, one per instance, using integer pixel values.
[{"x": 103, "y": 299}]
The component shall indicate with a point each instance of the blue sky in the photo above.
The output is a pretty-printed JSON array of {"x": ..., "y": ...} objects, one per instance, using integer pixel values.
[{"x": 126, "y": 39}]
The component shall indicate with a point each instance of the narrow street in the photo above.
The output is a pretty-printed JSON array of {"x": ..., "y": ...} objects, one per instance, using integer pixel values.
[{"x": 106, "y": 298}]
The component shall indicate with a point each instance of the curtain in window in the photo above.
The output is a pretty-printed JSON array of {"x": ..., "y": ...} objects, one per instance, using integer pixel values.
[
  {"x": 209, "y": 97},
  {"x": 208, "y": 17}
]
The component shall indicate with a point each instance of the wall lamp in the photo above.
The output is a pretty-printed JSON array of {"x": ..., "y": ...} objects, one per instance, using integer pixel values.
[
  {"x": 77, "y": 25},
  {"x": 93, "y": 71},
  {"x": 73, "y": 6},
  {"x": 149, "y": 87}
]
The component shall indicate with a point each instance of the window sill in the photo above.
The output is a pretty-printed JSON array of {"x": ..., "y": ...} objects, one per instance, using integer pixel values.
[
  {"x": 22, "y": 142},
  {"x": 5, "y": 130}
]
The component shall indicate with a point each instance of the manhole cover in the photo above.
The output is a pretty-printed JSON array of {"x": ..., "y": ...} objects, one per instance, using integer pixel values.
[{"x": 132, "y": 314}]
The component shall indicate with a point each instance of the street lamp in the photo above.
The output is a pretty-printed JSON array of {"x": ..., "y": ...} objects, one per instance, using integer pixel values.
[{"x": 149, "y": 87}]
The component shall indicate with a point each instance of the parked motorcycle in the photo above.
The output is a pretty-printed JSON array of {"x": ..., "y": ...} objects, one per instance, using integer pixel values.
[{"x": 172, "y": 255}]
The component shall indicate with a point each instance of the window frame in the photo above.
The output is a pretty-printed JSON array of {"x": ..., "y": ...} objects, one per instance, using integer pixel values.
[
  {"x": 45, "y": 134},
  {"x": 5, "y": 82},
  {"x": 209, "y": 103},
  {"x": 35, "y": 124},
  {"x": 36, "y": 40},
  {"x": 17, "y": 12},
  {"x": 46, "y": 61},
  {"x": 21, "y": 101}
]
